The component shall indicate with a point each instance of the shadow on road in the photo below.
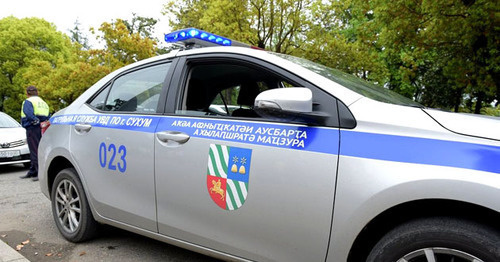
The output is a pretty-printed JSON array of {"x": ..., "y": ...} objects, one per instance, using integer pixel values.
[
  {"x": 110, "y": 245},
  {"x": 4, "y": 169}
]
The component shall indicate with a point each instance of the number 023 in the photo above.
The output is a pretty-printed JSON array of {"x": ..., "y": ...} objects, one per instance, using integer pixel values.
[{"x": 117, "y": 158}]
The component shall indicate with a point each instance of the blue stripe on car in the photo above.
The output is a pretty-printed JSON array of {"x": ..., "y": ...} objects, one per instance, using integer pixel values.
[
  {"x": 420, "y": 151},
  {"x": 315, "y": 139}
]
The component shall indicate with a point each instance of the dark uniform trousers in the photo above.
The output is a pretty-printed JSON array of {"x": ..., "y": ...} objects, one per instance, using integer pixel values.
[{"x": 33, "y": 135}]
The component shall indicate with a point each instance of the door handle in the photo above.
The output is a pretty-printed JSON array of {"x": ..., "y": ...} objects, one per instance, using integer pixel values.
[
  {"x": 82, "y": 128},
  {"x": 173, "y": 136}
]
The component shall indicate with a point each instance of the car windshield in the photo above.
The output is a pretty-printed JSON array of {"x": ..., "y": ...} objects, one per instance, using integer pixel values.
[
  {"x": 7, "y": 121},
  {"x": 354, "y": 83}
]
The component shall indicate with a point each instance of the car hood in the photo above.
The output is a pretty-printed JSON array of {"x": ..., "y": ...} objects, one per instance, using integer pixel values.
[
  {"x": 468, "y": 124},
  {"x": 12, "y": 134}
]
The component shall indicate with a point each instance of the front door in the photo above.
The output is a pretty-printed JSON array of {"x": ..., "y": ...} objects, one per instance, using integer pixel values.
[{"x": 231, "y": 181}]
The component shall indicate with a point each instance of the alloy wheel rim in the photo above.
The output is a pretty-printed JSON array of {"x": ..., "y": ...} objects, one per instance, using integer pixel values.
[
  {"x": 438, "y": 254},
  {"x": 68, "y": 206}
]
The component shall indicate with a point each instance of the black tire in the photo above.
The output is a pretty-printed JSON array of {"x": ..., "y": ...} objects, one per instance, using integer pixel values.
[
  {"x": 69, "y": 201},
  {"x": 448, "y": 239},
  {"x": 27, "y": 164}
]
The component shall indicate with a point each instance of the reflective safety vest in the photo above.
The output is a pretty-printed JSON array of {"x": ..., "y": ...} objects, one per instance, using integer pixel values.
[{"x": 39, "y": 106}]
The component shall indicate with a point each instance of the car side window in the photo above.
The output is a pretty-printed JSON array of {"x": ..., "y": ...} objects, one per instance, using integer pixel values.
[
  {"x": 137, "y": 91},
  {"x": 99, "y": 101},
  {"x": 225, "y": 89}
]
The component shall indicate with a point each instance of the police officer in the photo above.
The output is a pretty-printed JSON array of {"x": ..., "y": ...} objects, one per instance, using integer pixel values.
[{"x": 33, "y": 112}]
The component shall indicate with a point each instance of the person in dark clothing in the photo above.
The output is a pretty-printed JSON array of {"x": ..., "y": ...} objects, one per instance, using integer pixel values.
[{"x": 33, "y": 112}]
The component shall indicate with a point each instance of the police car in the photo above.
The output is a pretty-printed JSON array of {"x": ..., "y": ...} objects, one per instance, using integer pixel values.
[{"x": 244, "y": 154}]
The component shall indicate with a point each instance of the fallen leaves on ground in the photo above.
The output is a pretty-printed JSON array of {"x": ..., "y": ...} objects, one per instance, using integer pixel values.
[{"x": 20, "y": 246}]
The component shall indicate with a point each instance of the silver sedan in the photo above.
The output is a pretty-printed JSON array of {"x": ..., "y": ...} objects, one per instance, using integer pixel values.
[{"x": 244, "y": 154}]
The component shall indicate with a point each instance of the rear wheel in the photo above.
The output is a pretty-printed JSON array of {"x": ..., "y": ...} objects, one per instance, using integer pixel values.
[
  {"x": 70, "y": 207},
  {"x": 438, "y": 240}
]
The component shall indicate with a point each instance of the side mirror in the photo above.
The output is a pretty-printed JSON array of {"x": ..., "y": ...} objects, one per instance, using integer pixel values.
[{"x": 292, "y": 104}]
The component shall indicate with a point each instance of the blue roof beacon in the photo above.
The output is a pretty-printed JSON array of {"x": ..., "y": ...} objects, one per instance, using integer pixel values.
[{"x": 192, "y": 37}]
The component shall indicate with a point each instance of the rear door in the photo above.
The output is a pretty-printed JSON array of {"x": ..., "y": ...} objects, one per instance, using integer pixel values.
[
  {"x": 113, "y": 143},
  {"x": 229, "y": 180}
]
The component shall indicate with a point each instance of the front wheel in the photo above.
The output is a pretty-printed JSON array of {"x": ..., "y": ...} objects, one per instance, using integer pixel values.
[
  {"x": 438, "y": 240},
  {"x": 70, "y": 207}
]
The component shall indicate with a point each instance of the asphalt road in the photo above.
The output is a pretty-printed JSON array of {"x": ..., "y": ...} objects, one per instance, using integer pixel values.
[{"x": 25, "y": 214}]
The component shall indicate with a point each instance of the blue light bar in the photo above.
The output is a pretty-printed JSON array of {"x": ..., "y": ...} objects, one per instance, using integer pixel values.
[{"x": 189, "y": 35}]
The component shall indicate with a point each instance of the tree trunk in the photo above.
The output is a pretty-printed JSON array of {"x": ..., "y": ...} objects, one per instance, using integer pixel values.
[
  {"x": 458, "y": 99},
  {"x": 479, "y": 103}
]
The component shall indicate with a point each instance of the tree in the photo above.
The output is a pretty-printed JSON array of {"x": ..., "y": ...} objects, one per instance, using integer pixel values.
[
  {"x": 442, "y": 53},
  {"x": 123, "y": 46},
  {"x": 446, "y": 47},
  {"x": 142, "y": 25},
  {"x": 62, "y": 85},
  {"x": 26, "y": 44},
  {"x": 314, "y": 29},
  {"x": 33, "y": 52},
  {"x": 331, "y": 39},
  {"x": 78, "y": 37},
  {"x": 269, "y": 24},
  {"x": 126, "y": 42}
]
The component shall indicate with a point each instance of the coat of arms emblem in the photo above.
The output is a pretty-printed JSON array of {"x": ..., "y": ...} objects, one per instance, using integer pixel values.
[{"x": 227, "y": 175}]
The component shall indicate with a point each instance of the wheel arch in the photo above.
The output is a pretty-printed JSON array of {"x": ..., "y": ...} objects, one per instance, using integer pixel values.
[
  {"x": 56, "y": 165},
  {"x": 411, "y": 210}
]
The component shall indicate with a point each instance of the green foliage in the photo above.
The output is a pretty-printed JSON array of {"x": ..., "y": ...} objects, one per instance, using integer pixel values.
[
  {"x": 25, "y": 45},
  {"x": 442, "y": 53},
  {"x": 33, "y": 52},
  {"x": 77, "y": 36},
  {"x": 331, "y": 40},
  {"x": 141, "y": 25},
  {"x": 123, "y": 46},
  {"x": 270, "y": 24},
  {"x": 491, "y": 111},
  {"x": 439, "y": 51}
]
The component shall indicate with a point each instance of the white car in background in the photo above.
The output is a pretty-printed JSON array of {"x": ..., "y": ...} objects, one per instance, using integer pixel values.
[{"x": 13, "y": 145}]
